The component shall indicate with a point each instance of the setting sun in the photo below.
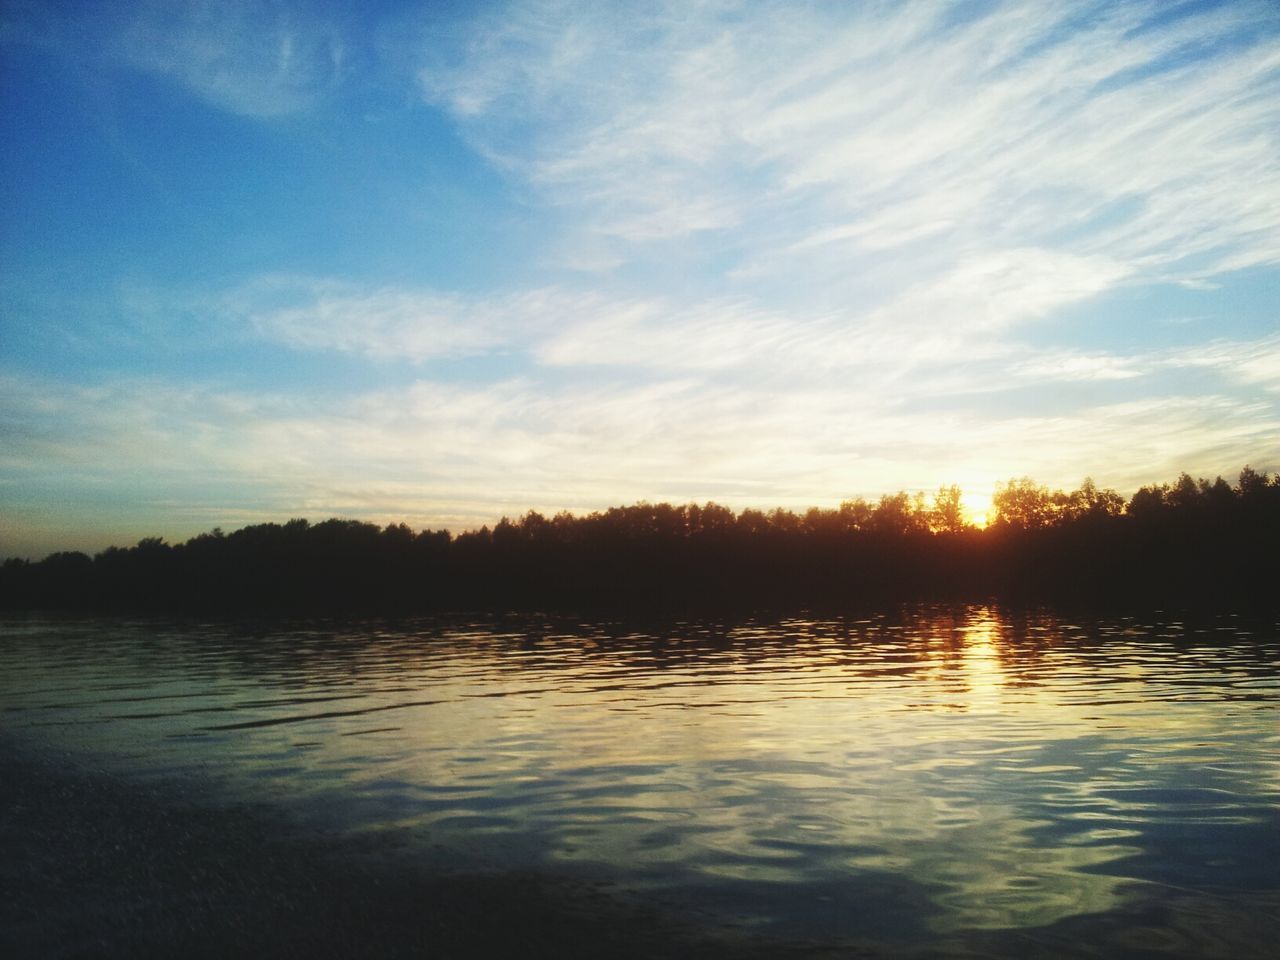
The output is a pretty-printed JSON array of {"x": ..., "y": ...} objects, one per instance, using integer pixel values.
[{"x": 977, "y": 508}]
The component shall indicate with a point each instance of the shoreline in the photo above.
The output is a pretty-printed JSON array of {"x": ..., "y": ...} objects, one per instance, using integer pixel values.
[
  {"x": 101, "y": 864},
  {"x": 96, "y": 865}
]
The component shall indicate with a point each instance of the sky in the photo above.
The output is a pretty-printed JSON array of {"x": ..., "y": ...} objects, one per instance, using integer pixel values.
[{"x": 440, "y": 263}]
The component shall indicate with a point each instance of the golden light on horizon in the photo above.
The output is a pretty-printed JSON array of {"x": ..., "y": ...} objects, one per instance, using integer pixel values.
[{"x": 977, "y": 508}]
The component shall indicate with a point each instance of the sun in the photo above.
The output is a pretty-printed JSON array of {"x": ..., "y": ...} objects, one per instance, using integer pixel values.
[{"x": 977, "y": 508}]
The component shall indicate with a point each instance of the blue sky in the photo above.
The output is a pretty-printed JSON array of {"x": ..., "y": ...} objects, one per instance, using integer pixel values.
[{"x": 444, "y": 262}]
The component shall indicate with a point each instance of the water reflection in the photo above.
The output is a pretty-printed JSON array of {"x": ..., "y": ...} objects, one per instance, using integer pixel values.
[{"x": 935, "y": 776}]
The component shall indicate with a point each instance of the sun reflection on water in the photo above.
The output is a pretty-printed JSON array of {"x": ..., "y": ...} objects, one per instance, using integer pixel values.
[
  {"x": 983, "y": 669},
  {"x": 992, "y": 772}
]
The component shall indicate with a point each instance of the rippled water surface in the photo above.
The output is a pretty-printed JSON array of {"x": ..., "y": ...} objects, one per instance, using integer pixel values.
[{"x": 933, "y": 777}]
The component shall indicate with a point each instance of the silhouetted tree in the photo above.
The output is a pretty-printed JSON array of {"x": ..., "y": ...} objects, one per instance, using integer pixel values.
[
  {"x": 1023, "y": 504},
  {"x": 1089, "y": 503},
  {"x": 1190, "y": 541},
  {"x": 947, "y": 515}
]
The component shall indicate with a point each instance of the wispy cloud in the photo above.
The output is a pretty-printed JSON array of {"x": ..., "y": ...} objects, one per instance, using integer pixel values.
[
  {"x": 257, "y": 58},
  {"x": 1112, "y": 130},
  {"x": 254, "y": 58},
  {"x": 438, "y": 453},
  {"x": 1254, "y": 363},
  {"x": 383, "y": 324},
  {"x": 980, "y": 300}
]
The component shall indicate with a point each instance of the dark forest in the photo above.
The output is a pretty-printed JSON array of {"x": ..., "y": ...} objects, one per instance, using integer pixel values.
[{"x": 1187, "y": 543}]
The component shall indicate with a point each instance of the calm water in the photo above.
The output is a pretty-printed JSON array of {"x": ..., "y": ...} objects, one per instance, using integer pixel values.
[{"x": 935, "y": 778}]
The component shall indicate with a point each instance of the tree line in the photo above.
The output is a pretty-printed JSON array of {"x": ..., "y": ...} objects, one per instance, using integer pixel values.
[{"x": 1187, "y": 542}]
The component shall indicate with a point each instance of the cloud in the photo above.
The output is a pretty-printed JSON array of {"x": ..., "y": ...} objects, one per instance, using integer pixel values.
[
  {"x": 252, "y": 58},
  {"x": 383, "y": 324},
  {"x": 950, "y": 319},
  {"x": 1110, "y": 130},
  {"x": 1071, "y": 365},
  {"x": 792, "y": 253},
  {"x": 1255, "y": 363},
  {"x": 1000, "y": 289},
  {"x": 460, "y": 454},
  {"x": 258, "y": 58}
]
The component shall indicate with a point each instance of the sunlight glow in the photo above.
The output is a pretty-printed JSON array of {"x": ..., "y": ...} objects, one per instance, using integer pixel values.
[
  {"x": 977, "y": 508},
  {"x": 771, "y": 255},
  {"x": 982, "y": 635}
]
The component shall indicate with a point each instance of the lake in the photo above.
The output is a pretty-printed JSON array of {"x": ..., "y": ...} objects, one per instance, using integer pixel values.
[{"x": 935, "y": 778}]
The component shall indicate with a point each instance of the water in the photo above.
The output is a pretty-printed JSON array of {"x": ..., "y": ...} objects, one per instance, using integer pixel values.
[{"x": 935, "y": 778}]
